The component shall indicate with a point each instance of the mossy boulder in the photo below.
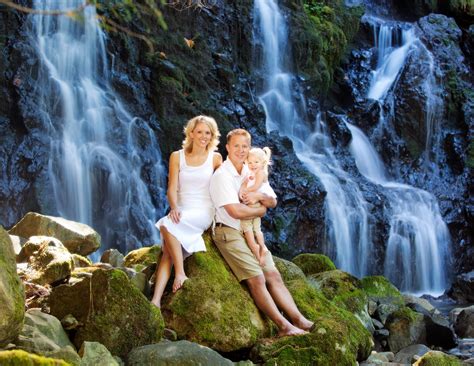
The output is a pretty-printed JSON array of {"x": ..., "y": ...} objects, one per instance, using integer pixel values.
[
  {"x": 144, "y": 256},
  {"x": 338, "y": 338},
  {"x": 12, "y": 295},
  {"x": 213, "y": 308},
  {"x": 313, "y": 263},
  {"x": 51, "y": 263},
  {"x": 288, "y": 270},
  {"x": 76, "y": 237},
  {"x": 94, "y": 353},
  {"x": 345, "y": 291},
  {"x": 183, "y": 353},
  {"x": 406, "y": 327},
  {"x": 437, "y": 358},
  {"x": 113, "y": 257},
  {"x": 380, "y": 290},
  {"x": 112, "y": 311},
  {"x": 22, "y": 358},
  {"x": 43, "y": 334},
  {"x": 81, "y": 261}
]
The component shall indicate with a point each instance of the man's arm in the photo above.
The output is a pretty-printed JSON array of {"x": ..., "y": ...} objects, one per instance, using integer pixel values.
[
  {"x": 250, "y": 198},
  {"x": 240, "y": 211}
]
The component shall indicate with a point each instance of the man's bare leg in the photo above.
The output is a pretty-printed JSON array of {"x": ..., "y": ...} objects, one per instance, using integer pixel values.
[
  {"x": 284, "y": 300},
  {"x": 265, "y": 303},
  {"x": 176, "y": 253},
  {"x": 162, "y": 275}
]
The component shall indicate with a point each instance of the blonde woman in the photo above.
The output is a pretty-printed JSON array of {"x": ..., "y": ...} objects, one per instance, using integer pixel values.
[{"x": 191, "y": 208}]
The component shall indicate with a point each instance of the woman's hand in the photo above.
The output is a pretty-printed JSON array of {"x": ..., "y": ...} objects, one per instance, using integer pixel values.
[{"x": 175, "y": 215}]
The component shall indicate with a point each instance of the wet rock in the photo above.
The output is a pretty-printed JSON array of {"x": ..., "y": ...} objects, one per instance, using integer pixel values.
[
  {"x": 406, "y": 355},
  {"x": 94, "y": 353},
  {"x": 313, "y": 263},
  {"x": 183, "y": 353},
  {"x": 43, "y": 334},
  {"x": 113, "y": 312},
  {"x": 113, "y": 257},
  {"x": 76, "y": 237},
  {"x": 12, "y": 296},
  {"x": 462, "y": 289},
  {"x": 51, "y": 263},
  {"x": 464, "y": 326},
  {"x": 224, "y": 316},
  {"x": 406, "y": 327}
]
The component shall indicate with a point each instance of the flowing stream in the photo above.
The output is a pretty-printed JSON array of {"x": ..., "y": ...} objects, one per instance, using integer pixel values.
[{"x": 97, "y": 155}]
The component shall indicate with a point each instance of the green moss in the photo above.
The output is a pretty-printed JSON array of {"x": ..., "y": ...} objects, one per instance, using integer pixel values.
[
  {"x": 436, "y": 358},
  {"x": 379, "y": 288},
  {"x": 213, "y": 308},
  {"x": 321, "y": 34},
  {"x": 22, "y": 358},
  {"x": 145, "y": 256},
  {"x": 338, "y": 338},
  {"x": 313, "y": 263}
]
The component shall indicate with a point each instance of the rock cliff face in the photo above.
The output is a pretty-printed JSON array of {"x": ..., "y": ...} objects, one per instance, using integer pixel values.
[{"x": 216, "y": 77}]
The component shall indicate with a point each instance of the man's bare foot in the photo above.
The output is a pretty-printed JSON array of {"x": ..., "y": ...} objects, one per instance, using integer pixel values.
[
  {"x": 304, "y": 324},
  {"x": 291, "y": 330},
  {"x": 178, "y": 282}
]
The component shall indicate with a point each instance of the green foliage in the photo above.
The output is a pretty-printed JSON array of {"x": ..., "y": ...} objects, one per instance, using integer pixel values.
[
  {"x": 312, "y": 263},
  {"x": 22, "y": 358}
]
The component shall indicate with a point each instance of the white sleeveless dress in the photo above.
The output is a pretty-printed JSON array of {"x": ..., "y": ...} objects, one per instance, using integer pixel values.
[{"x": 194, "y": 202}]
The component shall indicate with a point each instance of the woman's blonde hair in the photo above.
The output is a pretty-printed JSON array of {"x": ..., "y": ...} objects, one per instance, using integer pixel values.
[
  {"x": 264, "y": 154},
  {"x": 191, "y": 125}
]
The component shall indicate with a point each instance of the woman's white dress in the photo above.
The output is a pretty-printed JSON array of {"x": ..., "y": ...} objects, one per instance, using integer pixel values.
[{"x": 194, "y": 202}]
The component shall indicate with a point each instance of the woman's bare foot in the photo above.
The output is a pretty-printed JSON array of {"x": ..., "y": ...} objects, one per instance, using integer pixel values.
[
  {"x": 157, "y": 304},
  {"x": 291, "y": 330},
  {"x": 178, "y": 282}
]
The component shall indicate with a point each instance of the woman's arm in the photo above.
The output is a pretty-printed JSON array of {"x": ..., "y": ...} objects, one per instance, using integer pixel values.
[
  {"x": 172, "y": 193},
  {"x": 217, "y": 160}
]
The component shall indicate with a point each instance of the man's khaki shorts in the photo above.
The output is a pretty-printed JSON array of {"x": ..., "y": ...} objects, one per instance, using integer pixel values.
[{"x": 233, "y": 247}]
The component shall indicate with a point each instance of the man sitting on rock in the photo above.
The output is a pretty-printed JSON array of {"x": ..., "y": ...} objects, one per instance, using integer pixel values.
[{"x": 264, "y": 282}]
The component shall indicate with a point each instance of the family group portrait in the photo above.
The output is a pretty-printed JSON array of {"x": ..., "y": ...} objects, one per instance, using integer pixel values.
[{"x": 214, "y": 182}]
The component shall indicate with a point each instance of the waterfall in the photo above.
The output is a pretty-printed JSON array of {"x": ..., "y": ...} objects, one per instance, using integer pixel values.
[
  {"x": 346, "y": 210},
  {"x": 99, "y": 151},
  {"x": 418, "y": 248},
  {"x": 391, "y": 54}
]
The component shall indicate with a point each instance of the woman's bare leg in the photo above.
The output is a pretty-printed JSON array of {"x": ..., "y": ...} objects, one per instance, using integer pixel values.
[
  {"x": 162, "y": 275},
  {"x": 176, "y": 252}
]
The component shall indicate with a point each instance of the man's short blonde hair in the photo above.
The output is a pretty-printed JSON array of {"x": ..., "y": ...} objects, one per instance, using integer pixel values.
[{"x": 239, "y": 132}]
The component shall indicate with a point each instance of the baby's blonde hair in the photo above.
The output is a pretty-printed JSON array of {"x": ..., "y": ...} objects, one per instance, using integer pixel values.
[{"x": 264, "y": 154}]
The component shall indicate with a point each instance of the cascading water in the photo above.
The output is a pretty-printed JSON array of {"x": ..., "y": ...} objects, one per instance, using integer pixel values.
[
  {"x": 418, "y": 248},
  {"x": 98, "y": 150},
  {"x": 346, "y": 210}
]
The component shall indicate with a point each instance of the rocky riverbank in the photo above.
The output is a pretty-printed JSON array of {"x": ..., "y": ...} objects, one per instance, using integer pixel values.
[{"x": 62, "y": 309}]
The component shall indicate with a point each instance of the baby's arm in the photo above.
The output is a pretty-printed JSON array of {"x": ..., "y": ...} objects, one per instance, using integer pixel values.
[{"x": 259, "y": 178}]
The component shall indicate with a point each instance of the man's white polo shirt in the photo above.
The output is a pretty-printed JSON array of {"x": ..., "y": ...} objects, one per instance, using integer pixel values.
[{"x": 224, "y": 189}]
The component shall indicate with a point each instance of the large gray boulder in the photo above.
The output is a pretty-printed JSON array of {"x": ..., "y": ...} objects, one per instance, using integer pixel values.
[
  {"x": 181, "y": 353},
  {"x": 94, "y": 353},
  {"x": 76, "y": 237},
  {"x": 405, "y": 327},
  {"x": 12, "y": 295},
  {"x": 43, "y": 334}
]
